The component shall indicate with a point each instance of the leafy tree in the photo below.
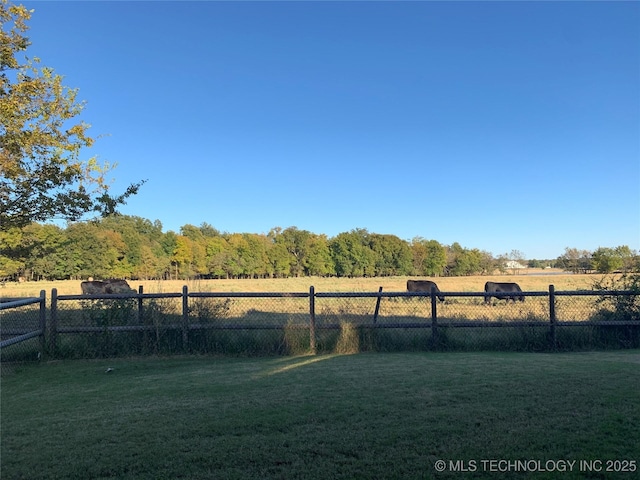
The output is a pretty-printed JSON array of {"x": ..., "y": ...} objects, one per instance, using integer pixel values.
[
  {"x": 192, "y": 232},
  {"x": 487, "y": 263},
  {"x": 9, "y": 267},
  {"x": 254, "y": 255},
  {"x": 536, "y": 263},
  {"x": 419, "y": 253},
  {"x": 575, "y": 260},
  {"x": 208, "y": 231},
  {"x": 462, "y": 261},
  {"x": 429, "y": 257},
  {"x": 436, "y": 260},
  {"x": 132, "y": 231},
  {"x": 183, "y": 256},
  {"x": 151, "y": 264},
  {"x": 352, "y": 255},
  {"x": 199, "y": 260},
  {"x": 44, "y": 244},
  {"x": 630, "y": 258},
  {"x": 475, "y": 259},
  {"x": 197, "y": 246},
  {"x": 392, "y": 255},
  {"x": 86, "y": 253},
  {"x": 42, "y": 175},
  {"x": 144, "y": 254},
  {"x": 235, "y": 264},
  {"x": 216, "y": 254},
  {"x": 454, "y": 265},
  {"x": 115, "y": 250},
  {"x": 11, "y": 260},
  {"x": 279, "y": 259},
  {"x": 606, "y": 260},
  {"x": 168, "y": 243},
  {"x": 318, "y": 261},
  {"x": 297, "y": 244}
]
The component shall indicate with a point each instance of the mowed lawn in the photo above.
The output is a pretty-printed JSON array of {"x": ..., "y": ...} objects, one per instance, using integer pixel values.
[{"x": 368, "y": 416}]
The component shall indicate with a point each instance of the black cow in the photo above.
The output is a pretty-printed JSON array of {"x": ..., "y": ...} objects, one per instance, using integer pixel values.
[
  {"x": 423, "y": 286},
  {"x": 97, "y": 287},
  {"x": 498, "y": 287}
]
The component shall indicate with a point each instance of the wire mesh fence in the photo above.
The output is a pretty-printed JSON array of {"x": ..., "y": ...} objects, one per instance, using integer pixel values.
[{"x": 96, "y": 326}]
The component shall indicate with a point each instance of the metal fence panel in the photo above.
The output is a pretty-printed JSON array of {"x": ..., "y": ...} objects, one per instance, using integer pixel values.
[{"x": 22, "y": 323}]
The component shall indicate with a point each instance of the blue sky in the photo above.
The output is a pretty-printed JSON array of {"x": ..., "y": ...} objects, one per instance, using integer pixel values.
[{"x": 498, "y": 125}]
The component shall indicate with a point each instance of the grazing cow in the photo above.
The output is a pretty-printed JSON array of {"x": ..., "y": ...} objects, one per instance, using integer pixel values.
[
  {"x": 423, "y": 286},
  {"x": 97, "y": 287},
  {"x": 498, "y": 287},
  {"x": 118, "y": 286}
]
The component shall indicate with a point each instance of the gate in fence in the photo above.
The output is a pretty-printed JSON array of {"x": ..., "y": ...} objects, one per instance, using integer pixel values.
[{"x": 23, "y": 322}]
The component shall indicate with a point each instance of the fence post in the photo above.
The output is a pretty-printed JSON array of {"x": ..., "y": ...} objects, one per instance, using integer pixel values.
[
  {"x": 140, "y": 312},
  {"x": 375, "y": 313},
  {"x": 185, "y": 317},
  {"x": 53, "y": 324},
  {"x": 434, "y": 317},
  {"x": 312, "y": 319},
  {"x": 43, "y": 322},
  {"x": 552, "y": 316}
]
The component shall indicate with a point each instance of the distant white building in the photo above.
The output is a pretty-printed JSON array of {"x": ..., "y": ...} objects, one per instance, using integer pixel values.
[{"x": 513, "y": 265}]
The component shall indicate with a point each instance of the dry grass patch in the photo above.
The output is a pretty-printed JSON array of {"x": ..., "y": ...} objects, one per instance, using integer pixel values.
[{"x": 321, "y": 284}]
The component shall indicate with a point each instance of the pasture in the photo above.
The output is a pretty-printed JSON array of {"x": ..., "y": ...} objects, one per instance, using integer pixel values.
[
  {"x": 330, "y": 416},
  {"x": 321, "y": 284}
]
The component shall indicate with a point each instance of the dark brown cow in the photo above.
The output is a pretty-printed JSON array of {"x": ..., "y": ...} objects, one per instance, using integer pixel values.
[
  {"x": 92, "y": 287},
  {"x": 118, "y": 286},
  {"x": 97, "y": 287},
  {"x": 423, "y": 286},
  {"x": 498, "y": 287}
]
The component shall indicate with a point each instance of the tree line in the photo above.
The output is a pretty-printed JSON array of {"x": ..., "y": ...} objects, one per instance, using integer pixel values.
[
  {"x": 132, "y": 247},
  {"x": 602, "y": 260}
]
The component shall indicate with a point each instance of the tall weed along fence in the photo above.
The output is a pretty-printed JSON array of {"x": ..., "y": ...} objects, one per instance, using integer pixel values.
[{"x": 90, "y": 326}]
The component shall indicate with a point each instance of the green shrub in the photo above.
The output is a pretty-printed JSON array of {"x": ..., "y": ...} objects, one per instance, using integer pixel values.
[
  {"x": 624, "y": 308},
  {"x": 619, "y": 307}
]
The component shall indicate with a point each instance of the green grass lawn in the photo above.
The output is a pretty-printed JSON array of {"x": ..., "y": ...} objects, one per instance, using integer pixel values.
[{"x": 368, "y": 416}]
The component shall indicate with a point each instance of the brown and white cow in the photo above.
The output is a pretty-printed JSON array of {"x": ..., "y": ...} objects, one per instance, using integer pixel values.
[
  {"x": 498, "y": 287},
  {"x": 97, "y": 287},
  {"x": 423, "y": 286}
]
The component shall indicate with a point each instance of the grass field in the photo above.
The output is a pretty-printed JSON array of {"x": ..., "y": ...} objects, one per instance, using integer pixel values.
[
  {"x": 321, "y": 284},
  {"x": 361, "y": 416}
]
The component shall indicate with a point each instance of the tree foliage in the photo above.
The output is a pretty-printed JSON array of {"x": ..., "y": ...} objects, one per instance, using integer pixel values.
[
  {"x": 429, "y": 257},
  {"x": 133, "y": 247},
  {"x": 352, "y": 255},
  {"x": 392, "y": 255},
  {"x": 575, "y": 260},
  {"x": 42, "y": 173}
]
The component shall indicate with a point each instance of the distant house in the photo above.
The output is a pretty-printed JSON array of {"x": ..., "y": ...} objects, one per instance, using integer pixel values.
[{"x": 513, "y": 265}]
